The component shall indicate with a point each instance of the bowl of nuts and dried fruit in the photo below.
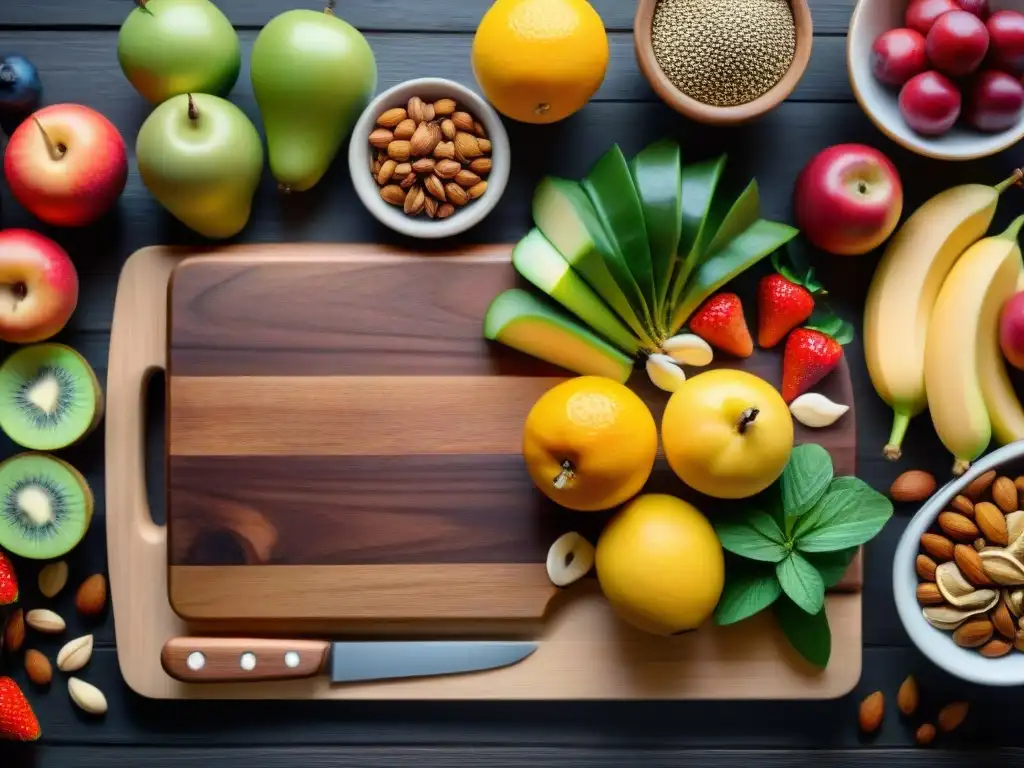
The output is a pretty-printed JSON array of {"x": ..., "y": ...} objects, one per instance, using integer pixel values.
[
  {"x": 958, "y": 573},
  {"x": 429, "y": 158}
]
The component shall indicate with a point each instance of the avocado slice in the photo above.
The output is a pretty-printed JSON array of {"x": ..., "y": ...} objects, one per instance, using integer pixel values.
[
  {"x": 521, "y": 321},
  {"x": 536, "y": 259}
]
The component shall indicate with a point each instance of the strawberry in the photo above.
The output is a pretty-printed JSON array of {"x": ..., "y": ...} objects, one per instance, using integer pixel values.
[
  {"x": 809, "y": 357},
  {"x": 720, "y": 322},
  {"x": 17, "y": 720},
  {"x": 8, "y": 582},
  {"x": 782, "y": 305}
]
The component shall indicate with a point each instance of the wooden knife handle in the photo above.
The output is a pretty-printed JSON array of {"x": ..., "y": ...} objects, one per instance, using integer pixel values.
[{"x": 236, "y": 660}]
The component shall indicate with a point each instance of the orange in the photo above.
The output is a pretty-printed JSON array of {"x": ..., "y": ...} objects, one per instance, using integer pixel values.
[
  {"x": 590, "y": 443},
  {"x": 539, "y": 61}
]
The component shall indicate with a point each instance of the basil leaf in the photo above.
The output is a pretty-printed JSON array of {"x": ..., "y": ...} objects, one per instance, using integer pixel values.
[
  {"x": 808, "y": 633},
  {"x": 852, "y": 514},
  {"x": 801, "y": 582},
  {"x": 749, "y": 589},
  {"x": 805, "y": 478},
  {"x": 832, "y": 566},
  {"x": 755, "y": 536},
  {"x": 825, "y": 511}
]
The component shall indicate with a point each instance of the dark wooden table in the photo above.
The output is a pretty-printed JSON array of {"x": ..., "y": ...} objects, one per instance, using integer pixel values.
[{"x": 74, "y": 42}]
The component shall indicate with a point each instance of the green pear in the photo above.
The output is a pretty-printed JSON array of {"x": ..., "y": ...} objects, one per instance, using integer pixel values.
[
  {"x": 170, "y": 47},
  {"x": 202, "y": 158},
  {"x": 312, "y": 74}
]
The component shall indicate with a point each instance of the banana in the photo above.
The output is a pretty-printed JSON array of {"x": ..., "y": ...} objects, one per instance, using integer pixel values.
[
  {"x": 966, "y": 313},
  {"x": 904, "y": 289}
]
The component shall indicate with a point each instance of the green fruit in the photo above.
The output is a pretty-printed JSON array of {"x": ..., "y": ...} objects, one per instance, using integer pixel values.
[
  {"x": 521, "y": 321},
  {"x": 45, "y": 506},
  {"x": 657, "y": 175},
  {"x": 202, "y": 158},
  {"x": 312, "y": 74},
  {"x": 50, "y": 397},
  {"x": 538, "y": 261},
  {"x": 171, "y": 47}
]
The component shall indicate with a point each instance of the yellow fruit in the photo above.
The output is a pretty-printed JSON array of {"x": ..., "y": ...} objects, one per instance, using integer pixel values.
[
  {"x": 660, "y": 565},
  {"x": 590, "y": 443},
  {"x": 539, "y": 61},
  {"x": 727, "y": 433}
]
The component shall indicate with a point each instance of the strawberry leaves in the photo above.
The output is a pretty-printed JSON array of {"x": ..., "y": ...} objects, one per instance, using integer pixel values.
[{"x": 794, "y": 267}]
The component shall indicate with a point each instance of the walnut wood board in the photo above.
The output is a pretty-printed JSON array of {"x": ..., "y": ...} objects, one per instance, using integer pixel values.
[{"x": 236, "y": 336}]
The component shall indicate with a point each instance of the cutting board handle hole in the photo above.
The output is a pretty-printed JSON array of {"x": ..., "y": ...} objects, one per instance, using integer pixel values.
[{"x": 154, "y": 440}]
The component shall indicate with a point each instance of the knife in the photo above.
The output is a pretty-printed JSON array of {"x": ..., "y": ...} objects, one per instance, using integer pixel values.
[{"x": 233, "y": 660}]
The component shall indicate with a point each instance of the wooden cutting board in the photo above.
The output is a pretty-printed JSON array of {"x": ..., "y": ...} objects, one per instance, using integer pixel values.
[{"x": 344, "y": 445}]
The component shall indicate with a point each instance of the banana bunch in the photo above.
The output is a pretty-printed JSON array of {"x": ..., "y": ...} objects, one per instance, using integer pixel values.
[{"x": 933, "y": 305}]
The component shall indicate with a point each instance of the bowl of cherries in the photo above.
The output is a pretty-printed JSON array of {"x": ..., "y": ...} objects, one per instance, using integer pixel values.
[{"x": 944, "y": 78}]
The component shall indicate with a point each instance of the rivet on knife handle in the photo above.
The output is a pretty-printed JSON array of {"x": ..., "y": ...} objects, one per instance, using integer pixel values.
[{"x": 237, "y": 660}]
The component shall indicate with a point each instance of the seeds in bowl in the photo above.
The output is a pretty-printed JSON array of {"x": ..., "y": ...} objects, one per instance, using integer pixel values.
[
  {"x": 430, "y": 158},
  {"x": 971, "y": 567}
]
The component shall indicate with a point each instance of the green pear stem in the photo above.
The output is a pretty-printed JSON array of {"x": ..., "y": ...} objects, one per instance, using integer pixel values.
[
  {"x": 564, "y": 476},
  {"x": 142, "y": 6},
  {"x": 1017, "y": 178},
  {"x": 55, "y": 152},
  {"x": 193, "y": 110},
  {"x": 746, "y": 419}
]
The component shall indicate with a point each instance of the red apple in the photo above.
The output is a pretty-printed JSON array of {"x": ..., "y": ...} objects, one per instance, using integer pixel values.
[
  {"x": 38, "y": 286},
  {"x": 898, "y": 55},
  {"x": 848, "y": 199},
  {"x": 1011, "y": 331},
  {"x": 1006, "y": 33},
  {"x": 66, "y": 164},
  {"x": 930, "y": 103},
  {"x": 957, "y": 43},
  {"x": 978, "y": 7},
  {"x": 995, "y": 102},
  {"x": 921, "y": 14}
]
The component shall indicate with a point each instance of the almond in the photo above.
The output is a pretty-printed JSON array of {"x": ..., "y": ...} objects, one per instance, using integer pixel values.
[
  {"x": 38, "y": 667},
  {"x": 467, "y": 145},
  {"x": 925, "y": 567},
  {"x": 424, "y": 165},
  {"x": 391, "y": 117},
  {"x": 92, "y": 595},
  {"x": 963, "y": 505},
  {"x": 479, "y": 130},
  {"x": 1004, "y": 494},
  {"x": 430, "y": 206},
  {"x": 405, "y": 129},
  {"x": 403, "y": 169},
  {"x": 925, "y": 734},
  {"x": 995, "y": 648},
  {"x": 387, "y": 170},
  {"x": 908, "y": 696},
  {"x": 75, "y": 655},
  {"x": 52, "y": 579},
  {"x": 445, "y": 210},
  {"x": 448, "y": 169},
  {"x": 959, "y": 528},
  {"x": 463, "y": 121},
  {"x": 434, "y": 187},
  {"x": 953, "y": 715},
  {"x": 45, "y": 621},
  {"x": 14, "y": 631},
  {"x": 444, "y": 107},
  {"x": 414, "y": 201},
  {"x": 969, "y": 563},
  {"x": 871, "y": 712},
  {"x": 481, "y": 166},
  {"x": 393, "y": 194},
  {"x": 466, "y": 179},
  {"x": 375, "y": 165},
  {"x": 991, "y": 522},
  {"x": 1018, "y": 640},
  {"x": 427, "y": 136},
  {"x": 977, "y": 487},
  {"x": 1002, "y": 620},
  {"x": 928, "y": 594},
  {"x": 445, "y": 151},
  {"x": 399, "y": 151},
  {"x": 973, "y": 633},
  {"x": 408, "y": 181},
  {"x": 485, "y": 146},
  {"x": 1019, "y": 483},
  {"x": 456, "y": 194},
  {"x": 448, "y": 129},
  {"x": 912, "y": 485},
  {"x": 477, "y": 190},
  {"x": 88, "y": 697},
  {"x": 381, "y": 137},
  {"x": 428, "y": 112},
  {"x": 939, "y": 547},
  {"x": 417, "y": 109}
]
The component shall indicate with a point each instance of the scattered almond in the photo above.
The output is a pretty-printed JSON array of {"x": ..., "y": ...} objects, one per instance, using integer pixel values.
[
  {"x": 387, "y": 170},
  {"x": 14, "y": 631},
  {"x": 38, "y": 667},
  {"x": 445, "y": 210},
  {"x": 430, "y": 206},
  {"x": 478, "y": 190},
  {"x": 405, "y": 129},
  {"x": 953, "y": 715},
  {"x": 403, "y": 169},
  {"x": 908, "y": 696},
  {"x": 928, "y": 594},
  {"x": 456, "y": 194},
  {"x": 991, "y": 522},
  {"x": 45, "y": 621},
  {"x": 448, "y": 129},
  {"x": 973, "y": 633},
  {"x": 925, "y": 734},
  {"x": 393, "y": 194},
  {"x": 424, "y": 165},
  {"x": 481, "y": 166},
  {"x": 485, "y": 146},
  {"x": 391, "y": 117},
  {"x": 466, "y": 179},
  {"x": 75, "y": 655},
  {"x": 88, "y": 697},
  {"x": 939, "y": 547},
  {"x": 92, "y": 595},
  {"x": 381, "y": 137},
  {"x": 435, "y": 187},
  {"x": 414, "y": 201},
  {"x": 1003, "y": 621},
  {"x": 448, "y": 169},
  {"x": 872, "y": 709},
  {"x": 969, "y": 563},
  {"x": 996, "y": 647},
  {"x": 925, "y": 567},
  {"x": 963, "y": 505},
  {"x": 444, "y": 107},
  {"x": 960, "y": 528},
  {"x": 1004, "y": 494},
  {"x": 52, "y": 579},
  {"x": 977, "y": 487},
  {"x": 463, "y": 121},
  {"x": 399, "y": 150}
]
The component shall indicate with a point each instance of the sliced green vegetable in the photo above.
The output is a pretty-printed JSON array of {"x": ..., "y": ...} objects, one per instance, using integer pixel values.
[
  {"x": 536, "y": 259},
  {"x": 519, "y": 320},
  {"x": 742, "y": 214},
  {"x": 757, "y": 242},
  {"x": 657, "y": 175}
]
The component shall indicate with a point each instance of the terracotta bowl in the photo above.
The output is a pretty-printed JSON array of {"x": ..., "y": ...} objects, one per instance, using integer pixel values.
[{"x": 706, "y": 113}]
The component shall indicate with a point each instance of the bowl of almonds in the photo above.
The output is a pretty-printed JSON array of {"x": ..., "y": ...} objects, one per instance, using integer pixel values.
[
  {"x": 429, "y": 158},
  {"x": 958, "y": 573}
]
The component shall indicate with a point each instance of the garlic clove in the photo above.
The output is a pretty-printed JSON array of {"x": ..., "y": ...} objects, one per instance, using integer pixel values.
[
  {"x": 689, "y": 349},
  {"x": 665, "y": 373},
  {"x": 815, "y": 410},
  {"x": 570, "y": 558}
]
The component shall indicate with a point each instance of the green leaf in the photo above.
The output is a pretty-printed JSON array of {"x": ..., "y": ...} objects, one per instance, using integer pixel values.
[
  {"x": 793, "y": 266},
  {"x": 801, "y": 582},
  {"x": 755, "y": 536},
  {"x": 832, "y": 566},
  {"x": 749, "y": 589},
  {"x": 808, "y": 634},
  {"x": 805, "y": 478},
  {"x": 851, "y": 513},
  {"x": 742, "y": 214}
]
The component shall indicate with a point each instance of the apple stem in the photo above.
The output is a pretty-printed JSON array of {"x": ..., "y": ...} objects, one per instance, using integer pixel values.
[
  {"x": 564, "y": 476},
  {"x": 329, "y": 10},
  {"x": 55, "y": 152},
  {"x": 1017, "y": 178},
  {"x": 193, "y": 111},
  {"x": 746, "y": 419},
  {"x": 142, "y": 6}
]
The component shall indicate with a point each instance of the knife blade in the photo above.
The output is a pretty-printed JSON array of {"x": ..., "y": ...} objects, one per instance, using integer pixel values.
[{"x": 233, "y": 660}]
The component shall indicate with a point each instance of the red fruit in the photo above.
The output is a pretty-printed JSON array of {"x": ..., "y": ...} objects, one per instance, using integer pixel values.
[
  {"x": 921, "y": 14},
  {"x": 898, "y": 55},
  {"x": 8, "y": 582},
  {"x": 720, "y": 322},
  {"x": 782, "y": 305},
  {"x": 978, "y": 7},
  {"x": 930, "y": 103},
  {"x": 1006, "y": 36},
  {"x": 957, "y": 43},
  {"x": 995, "y": 102},
  {"x": 17, "y": 720},
  {"x": 809, "y": 357}
]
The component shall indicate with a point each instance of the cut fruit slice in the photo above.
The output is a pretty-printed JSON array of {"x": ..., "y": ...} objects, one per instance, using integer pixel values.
[
  {"x": 50, "y": 397},
  {"x": 742, "y": 214},
  {"x": 46, "y": 507},
  {"x": 521, "y": 321},
  {"x": 539, "y": 261},
  {"x": 564, "y": 214},
  {"x": 610, "y": 188},
  {"x": 657, "y": 175}
]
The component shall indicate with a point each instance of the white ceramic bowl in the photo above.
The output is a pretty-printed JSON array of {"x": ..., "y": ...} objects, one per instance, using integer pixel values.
[
  {"x": 936, "y": 644},
  {"x": 429, "y": 89},
  {"x": 870, "y": 19}
]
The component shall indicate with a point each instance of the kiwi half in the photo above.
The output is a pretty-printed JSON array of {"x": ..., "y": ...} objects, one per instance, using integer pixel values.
[
  {"x": 50, "y": 397},
  {"x": 45, "y": 506}
]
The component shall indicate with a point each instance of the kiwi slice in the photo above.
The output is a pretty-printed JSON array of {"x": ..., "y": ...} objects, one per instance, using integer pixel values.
[
  {"x": 45, "y": 506},
  {"x": 50, "y": 397}
]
